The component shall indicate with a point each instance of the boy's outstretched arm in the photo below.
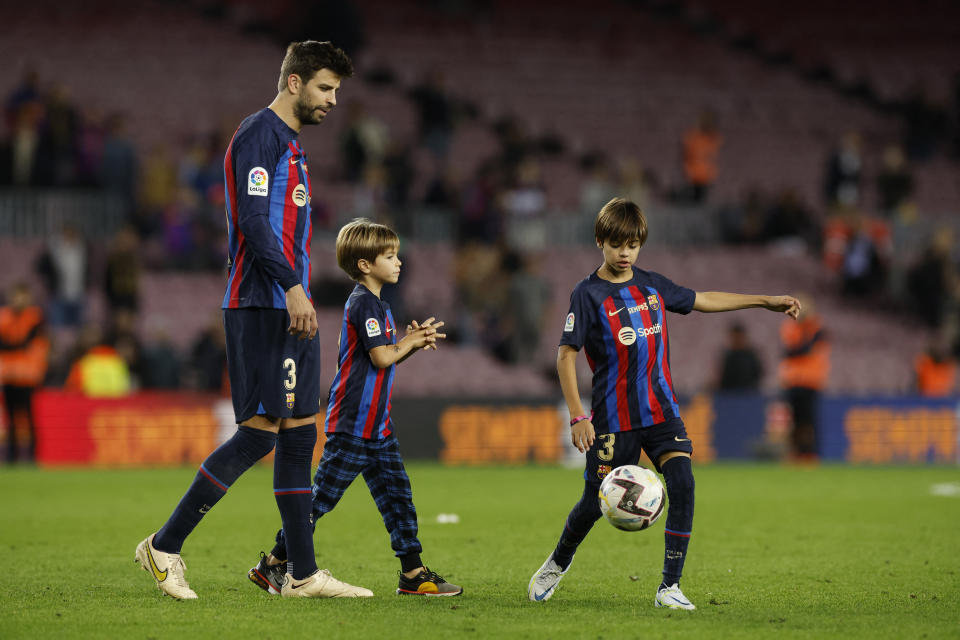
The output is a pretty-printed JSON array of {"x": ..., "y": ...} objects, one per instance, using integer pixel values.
[
  {"x": 714, "y": 301},
  {"x": 582, "y": 433}
]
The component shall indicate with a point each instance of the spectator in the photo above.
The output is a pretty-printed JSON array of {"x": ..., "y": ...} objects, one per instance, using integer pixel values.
[
  {"x": 803, "y": 375},
  {"x": 159, "y": 363},
  {"x": 62, "y": 136},
  {"x": 524, "y": 205},
  {"x": 936, "y": 373},
  {"x": 64, "y": 267},
  {"x": 24, "y": 158},
  {"x": 363, "y": 142},
  {"x": 864, "y": 266},
  {"x": 597, "y": 187},
  {"x": 933, "y": 280},
  {"x": 101, "y": 371},
  {"x": 208, "y": 359},
  {"x": 527, "y": 298},
  {"x": 122, "y": 281},
  {"x": 701, "y": 144},
  {"x": 436, "y": 114},
  {"x": 844, "y": 166},
  {"x": 118, "y": 171},
  {"x": 895, "y": 181},
  {"x": 24, "y": 353},
  {"x": 740, "y": 366}
]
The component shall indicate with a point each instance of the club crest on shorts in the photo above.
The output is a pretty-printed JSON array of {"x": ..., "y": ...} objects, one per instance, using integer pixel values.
[
  {"x": 373, "y": 328},
  {"x": 653, "y": 301},
  {"x": 291, "y": 398},
  {"x": 603, "y": 470}
]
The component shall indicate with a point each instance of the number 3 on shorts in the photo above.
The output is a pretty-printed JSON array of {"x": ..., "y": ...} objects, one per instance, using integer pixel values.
[
  {"x": 606, "y": 453},
  {"x": 291, "y": 367}
]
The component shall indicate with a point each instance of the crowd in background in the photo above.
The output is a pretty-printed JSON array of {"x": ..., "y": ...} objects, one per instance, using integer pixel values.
[{"x": 174, "y": 200}]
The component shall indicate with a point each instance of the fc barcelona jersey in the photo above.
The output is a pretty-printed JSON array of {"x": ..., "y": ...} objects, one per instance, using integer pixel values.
[
  {"x": 623, "y": 328},
  {"x": 268, "y": 213},
  {"x": 359, "y": 402}
]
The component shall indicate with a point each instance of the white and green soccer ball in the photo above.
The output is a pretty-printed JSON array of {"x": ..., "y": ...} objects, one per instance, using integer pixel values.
[{"x": 631, "y": 497}]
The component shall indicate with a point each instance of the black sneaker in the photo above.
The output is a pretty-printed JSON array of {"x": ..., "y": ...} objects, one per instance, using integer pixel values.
[
  {"x": 268, "y": 577},
  {"x": 427, "y": 583}
]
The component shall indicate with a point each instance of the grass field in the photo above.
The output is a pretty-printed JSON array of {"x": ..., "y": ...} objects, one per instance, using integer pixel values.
[{"x": 796, "y": 553}]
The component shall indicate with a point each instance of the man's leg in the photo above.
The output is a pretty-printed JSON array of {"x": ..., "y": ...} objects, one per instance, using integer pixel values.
[
  {"x": 291, "y": 488},
  {"x": 254, "y": 439}
]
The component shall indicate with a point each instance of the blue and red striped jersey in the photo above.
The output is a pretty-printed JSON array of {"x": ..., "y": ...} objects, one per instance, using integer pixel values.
[
  {"x": 268, "y": 213},
  {"x": 623, "y": 326},
  {"x": 359, "y": 401}
]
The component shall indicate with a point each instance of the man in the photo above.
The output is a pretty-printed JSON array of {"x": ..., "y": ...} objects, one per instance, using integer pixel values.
[
  {"x": 804, "y": 371},
  {"x": 273, "y": 354},
  {"x": 24, "y": 350}
]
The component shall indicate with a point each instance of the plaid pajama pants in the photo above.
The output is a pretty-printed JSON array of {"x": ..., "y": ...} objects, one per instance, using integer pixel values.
[{"x": 344, "y": 458}]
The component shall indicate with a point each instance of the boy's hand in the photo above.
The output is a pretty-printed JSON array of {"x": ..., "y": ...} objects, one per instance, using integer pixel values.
[
  {"x": 787, "y": 304},
  {"x": 428, "y": 328},
  {"x": 582, "y": 435}
]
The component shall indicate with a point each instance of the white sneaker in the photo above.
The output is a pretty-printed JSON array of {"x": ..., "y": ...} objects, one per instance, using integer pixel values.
[
  {"x": 166, "y": 568},
  {"x": 545, "y": 580},
  {"x": 673, "y": 598},
  {"x": 321, "y": 584}
]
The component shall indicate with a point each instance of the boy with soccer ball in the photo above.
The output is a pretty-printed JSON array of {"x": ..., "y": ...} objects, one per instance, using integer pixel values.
[{"x": 618, "y": 314}]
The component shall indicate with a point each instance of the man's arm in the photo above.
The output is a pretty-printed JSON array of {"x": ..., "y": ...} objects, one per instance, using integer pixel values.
[{"x": 716, "y": 301}]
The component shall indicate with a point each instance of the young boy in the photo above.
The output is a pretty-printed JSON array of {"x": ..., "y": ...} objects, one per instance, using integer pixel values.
[
  {"x": 618, "y": 314},
  {"x": 358, "y": 425}
]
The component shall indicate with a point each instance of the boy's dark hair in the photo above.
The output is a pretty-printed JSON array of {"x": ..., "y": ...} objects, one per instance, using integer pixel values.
[
  {"x": 363, "y": 239},
  {"x": 306, "y": 58},
  {"x": 620, "y": 221}
]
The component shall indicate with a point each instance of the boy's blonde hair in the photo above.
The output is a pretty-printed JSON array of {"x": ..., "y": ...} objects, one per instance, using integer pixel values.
[
  {"x": 363, "y": 239},
  {"x": 620, "y": 221}
]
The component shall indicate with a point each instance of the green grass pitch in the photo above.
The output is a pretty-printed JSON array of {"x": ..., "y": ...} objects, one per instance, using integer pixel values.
[{"x": 836, "y": 551}]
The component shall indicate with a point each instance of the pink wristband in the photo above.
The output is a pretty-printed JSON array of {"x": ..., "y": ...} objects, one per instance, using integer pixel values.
[{"x": 574, "y": 421}]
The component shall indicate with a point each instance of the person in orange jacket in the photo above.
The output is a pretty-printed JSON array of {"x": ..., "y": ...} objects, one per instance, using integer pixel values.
[
  {"x": 936, "y": 373},
  {"x": 24, "y": 352},
  {"x": 803, "y": 375}
]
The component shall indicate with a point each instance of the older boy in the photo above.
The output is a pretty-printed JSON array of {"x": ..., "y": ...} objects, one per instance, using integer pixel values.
[
  {"x": 358, "y": 425},
  {"x": 618, "y": 314}
]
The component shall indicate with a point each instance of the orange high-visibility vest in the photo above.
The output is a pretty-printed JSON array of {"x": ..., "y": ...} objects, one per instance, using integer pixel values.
[
  {"x": 809, "y": 367},
  {"x": 25, "y": 347},
  {"x": 935, "y": 379}
]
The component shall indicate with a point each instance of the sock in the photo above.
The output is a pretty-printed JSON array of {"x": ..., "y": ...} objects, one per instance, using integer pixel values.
[
  {"x": 410, "y": 562},
  {"x": 291, "y": 488},
  {"x": 678, "y": 475},
  {"x": 220, "y": 470},
  {"x": 581, "y": 519}
]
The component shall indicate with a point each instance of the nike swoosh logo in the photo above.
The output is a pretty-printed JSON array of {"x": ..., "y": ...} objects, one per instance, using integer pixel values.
[
  {"x": 159, "y": 575},
  {"x": 613, "y": 313},
  {"x": 681, "y": 439},
  {"x": 542, "y": 595}
]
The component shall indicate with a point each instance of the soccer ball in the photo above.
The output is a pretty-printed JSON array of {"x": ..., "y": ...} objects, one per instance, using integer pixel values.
[{"x": 631, "y": 497}]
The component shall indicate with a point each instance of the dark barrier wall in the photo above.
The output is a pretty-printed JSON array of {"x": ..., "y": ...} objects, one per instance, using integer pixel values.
[{"x": 157, "y": 429}]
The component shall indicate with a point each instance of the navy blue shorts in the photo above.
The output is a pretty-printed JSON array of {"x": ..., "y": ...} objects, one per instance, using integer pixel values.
[
  {"x": 612, "y": 450},
  {"x": 272, "y": 373}
]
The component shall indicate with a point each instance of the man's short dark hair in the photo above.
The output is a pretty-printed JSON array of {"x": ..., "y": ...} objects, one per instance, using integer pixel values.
[{"x": 306, "y": 58}]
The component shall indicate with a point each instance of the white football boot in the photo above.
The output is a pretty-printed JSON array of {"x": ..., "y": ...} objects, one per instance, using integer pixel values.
[
  {"x": 672, "y": 598},
  {"x": 166, "y": 568},
  {"x": 545, "y": 580},
  {"x": 321, "y": 584}
]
